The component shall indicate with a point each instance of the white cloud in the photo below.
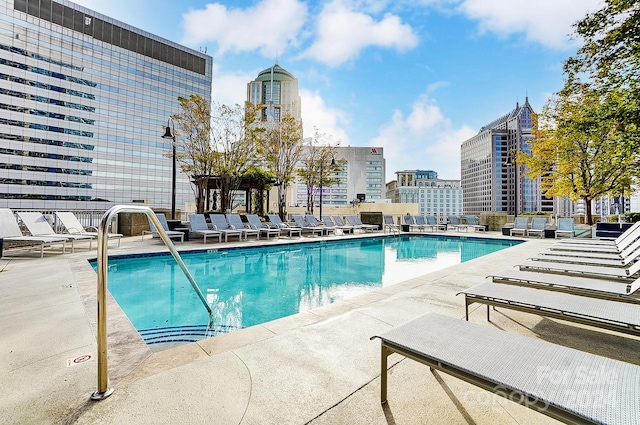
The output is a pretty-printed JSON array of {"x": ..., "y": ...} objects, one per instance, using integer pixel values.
[
  {"x": 317, "y": 115},
  {"x": 423, "y": 140},
  {"x": 342, "y": 33},
  {"x": 544, "y": 21},
  {"x": 270, "y": 26},
  {"x": 230, "y": 88}
]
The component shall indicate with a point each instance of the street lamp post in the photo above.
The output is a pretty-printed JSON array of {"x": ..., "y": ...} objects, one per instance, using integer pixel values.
[{"x": 168, "y": 134}]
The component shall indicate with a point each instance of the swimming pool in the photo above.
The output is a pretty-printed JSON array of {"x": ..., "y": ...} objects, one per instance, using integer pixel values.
[{"x": 253, "y": 285}]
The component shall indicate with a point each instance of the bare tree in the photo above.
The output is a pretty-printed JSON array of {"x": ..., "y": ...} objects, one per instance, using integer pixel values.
[
  {"x": 234, "y": 139},
  {"x": 319, "y": 166},
  {"x": 215, "y": 143},
  {"x": 194, "y": 152}
]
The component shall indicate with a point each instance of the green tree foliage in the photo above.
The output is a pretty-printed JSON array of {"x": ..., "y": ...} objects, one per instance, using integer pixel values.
[
  {"x": 577, "y": 151},
  {"x": 281, "y": 148},
  {"x": 586, "y": 140},
  {"x": 319, "y": 166}
]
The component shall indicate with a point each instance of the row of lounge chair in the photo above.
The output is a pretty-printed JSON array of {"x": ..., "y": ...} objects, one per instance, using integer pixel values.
[
  {"x": 538, "y": 227},
  {"x": 232, "y": 225},
  {"x": 588, "y": 281},
  {"x": 42, "y": 234},
  {"x": 429, "y": 223}
]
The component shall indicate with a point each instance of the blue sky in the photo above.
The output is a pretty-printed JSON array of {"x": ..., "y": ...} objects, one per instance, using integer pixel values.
[{"x": 415, "y": 77}]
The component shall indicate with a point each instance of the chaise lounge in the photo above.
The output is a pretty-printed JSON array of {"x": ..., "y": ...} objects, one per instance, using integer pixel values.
[
  {"x": 606, "y": 314},
  {"x": 10, "y": 232},
  {"x": 519, "y": 368}
]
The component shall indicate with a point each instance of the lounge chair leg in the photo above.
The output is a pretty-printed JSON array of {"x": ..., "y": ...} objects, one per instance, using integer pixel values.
[
  {"x": 466, "y": 308},
  {"x": 383, "y": 375},
  {"x": 488, "y": 308}
]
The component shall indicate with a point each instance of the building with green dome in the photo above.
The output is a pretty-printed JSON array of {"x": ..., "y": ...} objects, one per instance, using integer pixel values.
[{"x": 277, "y": 90}]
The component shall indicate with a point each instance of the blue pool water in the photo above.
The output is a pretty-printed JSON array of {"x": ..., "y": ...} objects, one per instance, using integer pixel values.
[{"x": 248, "y": 286}]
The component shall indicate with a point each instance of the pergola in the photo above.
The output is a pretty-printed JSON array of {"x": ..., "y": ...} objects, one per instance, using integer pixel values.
[{"x": 247, "y": 185}]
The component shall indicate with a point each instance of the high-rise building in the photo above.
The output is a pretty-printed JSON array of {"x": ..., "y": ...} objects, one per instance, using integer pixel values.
[
  {"x": 83, "y": 102},
  {"x": 434, "y": 196},
  {"x": 491, "y": 178},
  {"x": 277, "y": 90},
  {"x": 361, "y": 179}
]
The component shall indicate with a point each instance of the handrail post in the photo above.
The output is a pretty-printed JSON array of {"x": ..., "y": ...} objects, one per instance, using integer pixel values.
[{"x": 103, "y": 390}]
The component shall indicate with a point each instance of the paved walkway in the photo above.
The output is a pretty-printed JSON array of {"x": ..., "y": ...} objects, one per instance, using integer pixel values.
[{"x": 316, "y": 367}]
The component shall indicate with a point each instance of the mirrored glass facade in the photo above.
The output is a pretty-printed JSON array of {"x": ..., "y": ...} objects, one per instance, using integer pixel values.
[
  {"x": 491, "y": 179},
  {"x": 83, "y": 102}
]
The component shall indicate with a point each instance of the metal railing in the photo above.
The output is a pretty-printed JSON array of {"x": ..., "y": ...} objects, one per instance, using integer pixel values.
[{"x": 103, "y": 390}]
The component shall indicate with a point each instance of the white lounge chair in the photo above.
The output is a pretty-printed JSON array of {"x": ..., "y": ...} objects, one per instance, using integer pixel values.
[
  {"x": 626, "y": 238},
  {"x": 235, "y": 222},
  {"x": 285, "y": 229},
  {"x": 598, "y": 288},
  {"x": 605, "y": 314},
  {"x": 37, "y": 225},
  {"x": 472, "y": 222},
  {"x": 454, "y": 222},
  {"x": 421, "y": 224},
  {"x": 10, "y": 232},
  {"x": 354, "y": 220},
  {"x": 257, "y": 224},
  {"x": 538, "y": 226},
  {"x": 172, "y": 234},
  {"x": 520, "y": 226},
  {"x": 389, "y": 225},
  {"x": 304, "y": 226},
  {"x": 219, "y": 223},
  {"x": 621, "y": 261},
  {"x": 619, "y": 273},
  {"x": 566, "y": 227},
  {"x": 198, "y": 225},
  {"x": 432, "y": 221},
  {"x": 627, "y": 253},
  {"x": 522, "y": 369},
  {"x": 71, "y": 223},
  {"x": 343, "y": 225},
  {"x": 313, "y": 222},
  {"x": 329, "y": 222}
]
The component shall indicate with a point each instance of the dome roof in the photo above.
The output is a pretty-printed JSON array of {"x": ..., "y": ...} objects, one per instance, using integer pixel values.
[{"x": 279, "y": 74}]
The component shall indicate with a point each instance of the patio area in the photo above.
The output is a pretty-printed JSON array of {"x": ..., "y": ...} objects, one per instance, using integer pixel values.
[{"x": 316, "y": 367}]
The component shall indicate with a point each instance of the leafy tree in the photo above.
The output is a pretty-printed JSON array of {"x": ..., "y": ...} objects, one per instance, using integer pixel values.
[
  {"x": 194, "y": 153},
  {"x": 319, "y": 166},
  {"x": 281, "y": 147},
  {"x": 577, "y": 151},
  {"x": 586, "y": 140},
  {"x": 609, "y": 61},
  {"x": 218, "y": 144}
]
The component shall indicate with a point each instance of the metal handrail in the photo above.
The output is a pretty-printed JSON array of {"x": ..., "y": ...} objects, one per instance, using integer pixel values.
[{"x": 103, "y": 378}]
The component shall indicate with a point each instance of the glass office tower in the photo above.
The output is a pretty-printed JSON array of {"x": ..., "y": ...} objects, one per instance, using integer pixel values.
[{"x": 83, "y": 102}]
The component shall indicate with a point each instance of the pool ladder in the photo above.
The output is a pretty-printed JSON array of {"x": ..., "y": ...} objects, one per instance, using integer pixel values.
[{"x": 103, "y": 390}]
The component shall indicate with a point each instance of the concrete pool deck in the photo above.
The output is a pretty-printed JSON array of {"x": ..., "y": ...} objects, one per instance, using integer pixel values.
[{"x": 316, "y": 367}]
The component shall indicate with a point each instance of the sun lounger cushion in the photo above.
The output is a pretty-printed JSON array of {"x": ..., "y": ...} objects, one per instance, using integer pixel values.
[{"x": 522, "y": 369}]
